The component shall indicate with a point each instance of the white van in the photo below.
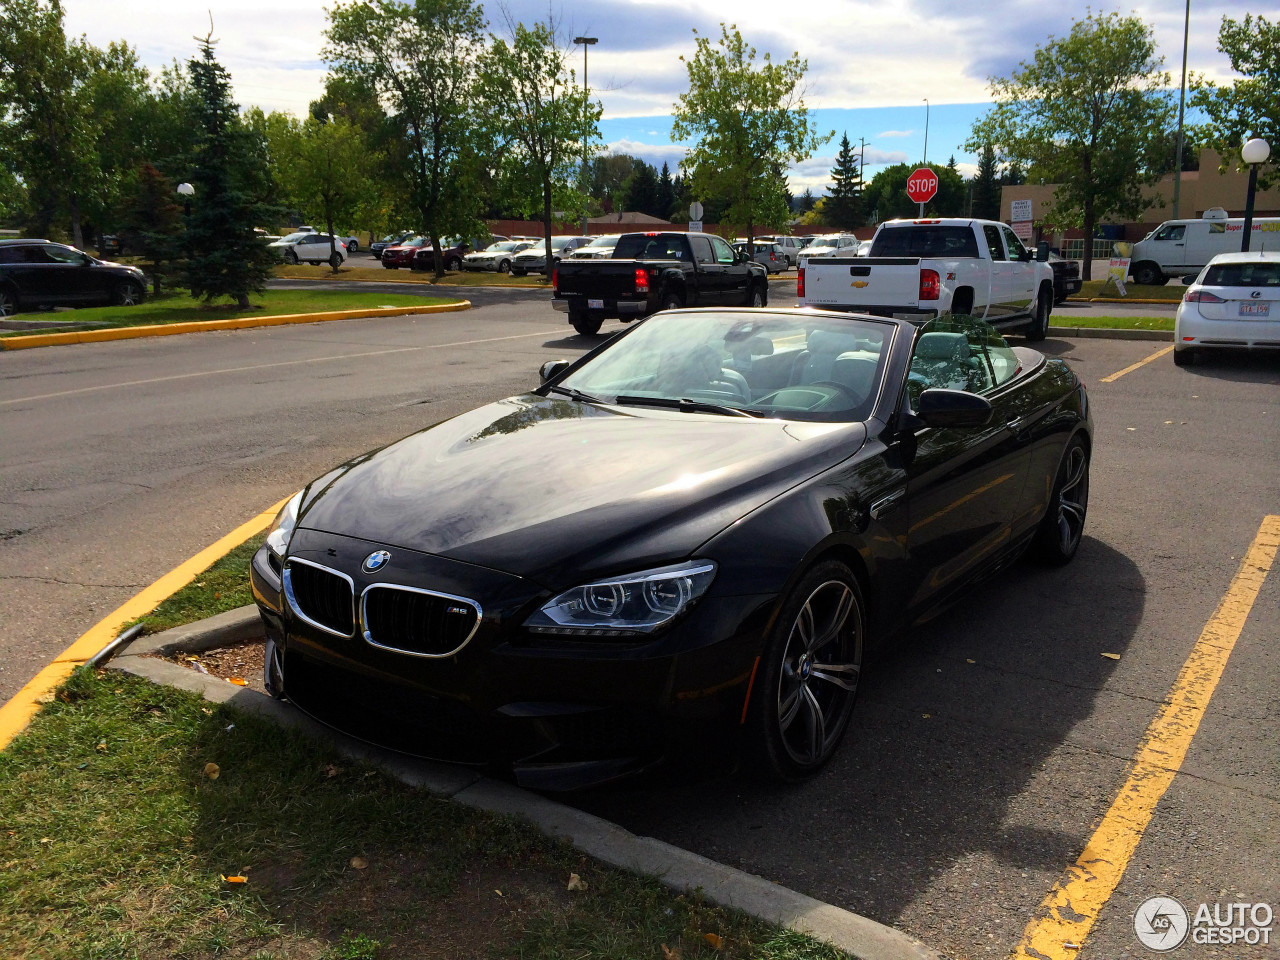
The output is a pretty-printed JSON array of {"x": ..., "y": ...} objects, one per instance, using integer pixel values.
[{"x": 1180, "y": 247}]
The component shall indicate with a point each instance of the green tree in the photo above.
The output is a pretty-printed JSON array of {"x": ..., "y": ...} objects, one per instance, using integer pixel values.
[
  {"x": 152, "y": 221},
  {"x": 1088, "y": 111},
  {"x": 886, "y": 194},
  {"x": 749, "y": 121},
  {"x": 421, "y": 59},
  {"x": 807, "y": 200},
  {"x": 225, "y": 258},
  {"x": 1249, "y": 106},
  {"x": 642, "y": 191},
  {"x": 66, "y": 106},
  {"x": 544, "y": 118},
  {"x": 986, "y": 186},
  {"x": 666, "y": 193},
  {"x": 843, "y": 208}
]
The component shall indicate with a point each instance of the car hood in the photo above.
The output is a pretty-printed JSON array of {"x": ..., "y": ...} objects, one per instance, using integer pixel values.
[{"x": 554, "y": 490}]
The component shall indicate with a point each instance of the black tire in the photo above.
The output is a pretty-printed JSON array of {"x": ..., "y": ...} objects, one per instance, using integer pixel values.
[
  {"x": 586, "y": 325},
  {"x": 273, "y": 670},
  {"x": 335, "y": 260},
  {"x": 807, "y": 679},
  {"x": 671, "y": 301},
  {"x": 962, "y": 303},
  {"x": 391, "y": 266},
  {"x": 1184, "y": 357},
  {"x": 518, "y": 272},
  {"x": 1062, "y": 528},
  {"x": 455, "y": 264},
  {"x": 291, "y": 257},
  {"x": 8, "y": 303},
  {"x": 1148, "y": 274},
  {"x": 353, "y": 246},
  {"x": 757, "y": 296},
  {"x": 1039, "y": 328},
  {"x": 504, "y": 266},
  {"x": 127, "y": 294}
]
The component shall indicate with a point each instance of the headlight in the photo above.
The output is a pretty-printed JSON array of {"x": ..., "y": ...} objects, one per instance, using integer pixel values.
[
  {"x": 282, "y": 527},
  {"x": 638, "y": 603}
]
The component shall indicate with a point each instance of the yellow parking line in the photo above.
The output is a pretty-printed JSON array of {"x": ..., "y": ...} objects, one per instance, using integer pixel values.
[
  {"x": 25, "y": 704},
  {"x": 1134, "y": 366},
  {"x": 1068, "y": 913}
]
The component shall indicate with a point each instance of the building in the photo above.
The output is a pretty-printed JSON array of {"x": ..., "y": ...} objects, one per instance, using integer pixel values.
[{"x": 1201, "y": 190}]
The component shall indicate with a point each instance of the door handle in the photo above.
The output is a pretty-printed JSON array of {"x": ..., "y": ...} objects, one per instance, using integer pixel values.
[
  {"x": 1016, "y": 424},
  {"x": 881, "y": 506}
]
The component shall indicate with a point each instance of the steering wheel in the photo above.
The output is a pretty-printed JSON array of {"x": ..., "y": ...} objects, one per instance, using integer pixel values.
[{"x": 844, "y": 388}]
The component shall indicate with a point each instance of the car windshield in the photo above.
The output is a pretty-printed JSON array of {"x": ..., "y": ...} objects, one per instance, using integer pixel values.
[
  {"x": 505, "y": 247},
  {"x": 791, "y": 366},
  {"x": 1260, "y": 274},
  {"x": 294, "y": 237},
  {"x": 604, "y": 242}
]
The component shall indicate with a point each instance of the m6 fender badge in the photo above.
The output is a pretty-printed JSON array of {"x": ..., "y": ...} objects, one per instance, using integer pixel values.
[
  {"x": 860, "y": 283},
  {"x": 375, "y": 561}
]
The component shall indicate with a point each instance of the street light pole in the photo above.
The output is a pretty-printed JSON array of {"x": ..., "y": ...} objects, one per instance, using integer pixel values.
[
  {"x": 1254, "y": 153},
  {"x": 925, "y": 158},
  {"x": 1182, "y": 101},
  {"x": 586, "y": 89}
]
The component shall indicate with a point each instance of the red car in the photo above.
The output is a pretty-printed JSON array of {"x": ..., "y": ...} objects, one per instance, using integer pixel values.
[{"x": 401, "y": 255}]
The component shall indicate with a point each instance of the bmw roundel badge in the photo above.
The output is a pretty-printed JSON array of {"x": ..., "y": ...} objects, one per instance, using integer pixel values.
[{"x": 376, "y": 561}]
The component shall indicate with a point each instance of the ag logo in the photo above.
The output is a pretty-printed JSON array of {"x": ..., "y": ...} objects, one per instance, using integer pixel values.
[
  {"x": 1161, "y": 923},
  {"x": 860, "y": 283}
]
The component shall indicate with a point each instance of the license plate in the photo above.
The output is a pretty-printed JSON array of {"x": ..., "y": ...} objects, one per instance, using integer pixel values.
[
  {"x": 1255, "y": 309},
  {"x": 599, "y": 304}
]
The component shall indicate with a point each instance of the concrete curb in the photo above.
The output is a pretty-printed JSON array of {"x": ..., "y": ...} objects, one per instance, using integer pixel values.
[
  {"x": 204, "y": 326},
  {"x": 678, "y": 869},
  {"x": 1104, "y": 333},
  {"x": 1171, "y": 303}
]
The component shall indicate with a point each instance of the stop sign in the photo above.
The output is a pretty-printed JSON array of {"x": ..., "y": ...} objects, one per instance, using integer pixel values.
[{"x": 922, "y": 185}]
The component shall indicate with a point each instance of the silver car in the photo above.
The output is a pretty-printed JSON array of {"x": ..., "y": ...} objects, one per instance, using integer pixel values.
[
  {"x": 534, "y": 260},
  {"x": 497, "y": 257},
  {"x": 838, "y": 245},
  {"x": 600, "y": 248},
  {"x": 768, "y": 255}
]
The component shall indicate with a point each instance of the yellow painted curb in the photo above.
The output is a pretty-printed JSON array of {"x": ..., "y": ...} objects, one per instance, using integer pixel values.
[
  {"x": 25, "y": 704},
  {"x": 234, "y": 323}
]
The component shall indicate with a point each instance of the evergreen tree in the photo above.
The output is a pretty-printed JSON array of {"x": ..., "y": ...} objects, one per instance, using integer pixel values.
[
  {"x": 152, "y": 221},
  {"x": 986, "y": 186},
  {"x": 807, "y": 200},
  {"x": 843, "y": 208},
  {"x": 1014, "y": 176},
  {"x": 642, "y": 190},
  {"x": 666, "y": 193},
  {"x": 225, "y": 256}
]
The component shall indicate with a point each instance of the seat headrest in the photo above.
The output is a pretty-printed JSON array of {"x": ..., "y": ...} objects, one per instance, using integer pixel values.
[
  {"x": 943, "y": 346},
  {"x": 833, "y": 343}
]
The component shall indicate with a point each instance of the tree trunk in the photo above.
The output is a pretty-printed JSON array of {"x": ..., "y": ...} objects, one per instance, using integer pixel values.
[
  {"x": 1090, "y": 221},
  {"x": 546, "y": 225},
  {"x": 242, "y": 301},
  {"x": 77, "y": 235},
  {"x": 437, "y": 256},
  {"x": 333, "y": 241}
]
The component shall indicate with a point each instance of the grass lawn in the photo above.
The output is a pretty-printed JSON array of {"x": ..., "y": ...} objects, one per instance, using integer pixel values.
[
  {"x": 114, "y": 838},
  {"x": 178, "y": 307},
  {"x": 1093, "y": 288},
  {"x": 356, "y": 271},
  {"x": 1113, "y": 323}
]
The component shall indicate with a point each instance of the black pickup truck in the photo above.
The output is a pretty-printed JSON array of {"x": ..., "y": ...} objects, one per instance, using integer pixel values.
[{"x": 656, "y": 271}]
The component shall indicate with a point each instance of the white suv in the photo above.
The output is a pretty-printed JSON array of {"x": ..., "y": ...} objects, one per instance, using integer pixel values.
[{"x": 310, "y": 248}]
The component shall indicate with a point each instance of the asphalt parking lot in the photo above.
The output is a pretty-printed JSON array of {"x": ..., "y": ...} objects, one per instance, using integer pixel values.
[{"x": 987, "y": 745}]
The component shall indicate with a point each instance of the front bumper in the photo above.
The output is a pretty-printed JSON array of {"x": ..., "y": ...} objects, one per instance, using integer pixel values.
[{"x": 554, "y": 713}]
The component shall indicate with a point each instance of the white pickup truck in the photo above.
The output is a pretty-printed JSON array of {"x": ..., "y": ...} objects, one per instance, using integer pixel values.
[{"x": 917, "y": 269}]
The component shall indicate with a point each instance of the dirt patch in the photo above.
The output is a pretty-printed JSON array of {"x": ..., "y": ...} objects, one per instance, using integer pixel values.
[{"x": 241, "y": 662}]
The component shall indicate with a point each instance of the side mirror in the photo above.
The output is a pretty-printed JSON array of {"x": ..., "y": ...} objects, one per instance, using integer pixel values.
[
  {"x": 553, "y": 368},
  {"x": 953, "y": 408},
  {"x": 1042, "y": 251}
]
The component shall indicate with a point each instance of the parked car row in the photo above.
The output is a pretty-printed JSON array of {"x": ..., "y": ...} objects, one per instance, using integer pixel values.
[{"x": 307, "y": 247}]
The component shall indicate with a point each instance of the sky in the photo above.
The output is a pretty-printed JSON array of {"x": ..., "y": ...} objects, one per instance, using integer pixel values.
[{"x": 871, "y": 64}]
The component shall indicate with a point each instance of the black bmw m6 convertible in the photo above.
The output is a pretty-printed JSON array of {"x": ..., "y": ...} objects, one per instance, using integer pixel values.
[{"x": 688, "y": 538}]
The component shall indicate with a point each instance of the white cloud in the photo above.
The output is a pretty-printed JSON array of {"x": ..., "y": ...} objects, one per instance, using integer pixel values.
[{"x": 886, "y": 134}]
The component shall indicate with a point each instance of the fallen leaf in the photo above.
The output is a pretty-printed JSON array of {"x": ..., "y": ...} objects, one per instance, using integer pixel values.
[
  {"x": 193, "y": 659},
  {"x": 714, "y": 939},
  {"x": 498, "y": 892},
  {"x": 46, "y": 697},
  {"x": 238, "y": 681},
  {"x": 925, "y": 716},
  {"x": 206, "y": 711},
  {"x": 331, "y": 770},
  {"x": 212, "y": 771},
  {"x": 46, "y": 839},
  {"x": 102, "y": 746},
  {"x": 217, "y": 595},
  {"x": 669, "y": 954},
  {"x": 1112, "y": 656},
  {"x": 359, "y": 863},
  {"x": 235, "y": 879},
  {"x": 967, "y": 660},
  {"x": 576, "y": 882}
]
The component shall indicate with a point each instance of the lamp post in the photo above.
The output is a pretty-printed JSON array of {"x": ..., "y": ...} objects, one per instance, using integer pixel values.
[
  {"x": 1254, "y": 153},
  {"x": 1182, "y": 101},
  {"x": 925, "y": 158},
  {"x": 186, "y": 191},
  {"x": 586, "y": 43}
]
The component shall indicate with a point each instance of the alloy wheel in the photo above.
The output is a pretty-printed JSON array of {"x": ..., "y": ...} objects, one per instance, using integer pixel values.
[
  {"x": 128, "y": 295},
  {"x": 8, "y": 306},
  {"x": 1073, "y": 499},
  {"x": 821, "y": 664}
]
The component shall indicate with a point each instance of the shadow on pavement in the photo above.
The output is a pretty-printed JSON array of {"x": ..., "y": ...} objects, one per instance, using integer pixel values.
[
  {"x": 954, "y": 722},
  {"x": 1238, "y": 366}
]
